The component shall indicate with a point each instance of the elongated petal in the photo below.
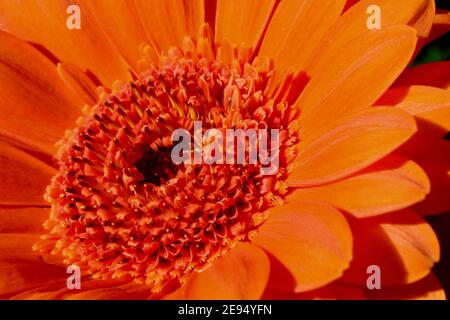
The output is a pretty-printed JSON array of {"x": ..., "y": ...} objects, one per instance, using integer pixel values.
[
  {"x": 22, "y": 219},
  {"x": 78, "y": 82},
  {"x": 418, "y": 14},
  {"x": 393, "y": 184},
  {"x": 89, "y": 289},
  {"x": 296, "y": 29},
  {"x": 242, "y": 274},
  {"x": 121, "y": 23},
  {"x": 36, "y": 107},
  {"x": 18, "y": 247},
  {"x": 360, "y": 73},
  {"x": 128, "y": 291},
  {"x": 244, "y": 21},
  {"x": 356, "y": 143},
  {"x": 350, "y": 26},
  {"x": 45, "y": 23},
  {"x": 23, "y": 178},
  {"x": 402, "y": 244},
  {"x": 168, "y": 22},
  {"x": 428, "y": 103},
  {"x": 20, "y": 276},
  {"x": 310, "y": 244}
]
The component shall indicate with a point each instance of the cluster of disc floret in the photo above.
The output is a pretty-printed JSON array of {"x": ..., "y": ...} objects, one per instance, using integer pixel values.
[{"x": 122, "y": 207}]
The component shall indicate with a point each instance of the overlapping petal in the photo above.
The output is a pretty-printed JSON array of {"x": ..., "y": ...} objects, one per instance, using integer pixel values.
[
  {"x": 402, "y": 244},
  {"x": 45, "y": 24},
  {"x": 352, "y": 145},
  {"x": 242, "y": 274},
  {"x": 24, "y": 178},
  {"x": 35, "y": 104},
  {"x": 289, "y": 48},
  {"x": 310, "y": 245},
  {"x": 393, "y": 184},
  {"x": 242, "y": 22},
  {"x": 376, "y": 57}
]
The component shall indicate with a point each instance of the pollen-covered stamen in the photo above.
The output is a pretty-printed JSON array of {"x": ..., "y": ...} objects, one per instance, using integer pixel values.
[{"x": 120, "y": 207}]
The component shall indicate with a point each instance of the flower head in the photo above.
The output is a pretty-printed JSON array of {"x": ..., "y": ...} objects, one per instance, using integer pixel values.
[
  {"x": 119, "y": 199},
  {"x": 358, "y": 163}
]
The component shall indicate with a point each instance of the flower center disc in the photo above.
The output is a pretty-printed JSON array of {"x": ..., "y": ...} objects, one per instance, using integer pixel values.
[{"x": 121, "y": 207}]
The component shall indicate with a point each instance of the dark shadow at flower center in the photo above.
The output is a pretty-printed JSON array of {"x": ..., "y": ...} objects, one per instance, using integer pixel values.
[{"x": 156, "y": 166}]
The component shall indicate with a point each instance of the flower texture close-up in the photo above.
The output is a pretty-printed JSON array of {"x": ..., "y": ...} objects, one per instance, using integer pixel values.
[{"x": 87, "y": 177}]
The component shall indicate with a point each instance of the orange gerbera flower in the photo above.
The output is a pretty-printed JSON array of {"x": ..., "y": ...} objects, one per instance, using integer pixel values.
[{"x": 362, "y": 150}]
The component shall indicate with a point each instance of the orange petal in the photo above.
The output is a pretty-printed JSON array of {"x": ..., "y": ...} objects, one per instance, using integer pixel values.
[
  {"x": 361, "y": 71},
  {"x": 242, "y": 22},
  {"x": 353, "y": 24},
  {"x": 22, "y": 219},
  {"x": 334, "y": 291},
  {"x": 18, "y": 247},
  {"x": 428, "y": 103},
  {"x": 435, "y": 74},
  {"x": 350, "y": 26},
  {"x": 310, "y": 244},
  {"x": 240, "y": 275},
  {"x": 120, "y": 21},
  {"x": 168, "y": 22},
  {"x": 295, "y": 30},
  {"x": 128, "y": 291},
  {"x": 428, "y": 288},
  {"x": 402, "y": 244},
  {"x": 352, "y": 145},
  {"x": 393, "y": 184},
  {"x": 45, "y": 23},
  {"x": 23, "y": 178},
  {"x": 89, "y": 289},
  {"x": 78, "y": 82},
  {"x": 41, "y": 293},
  {"x": 36, "y": 107},
  {"x": 20, "y": 276}
]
